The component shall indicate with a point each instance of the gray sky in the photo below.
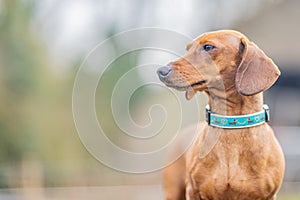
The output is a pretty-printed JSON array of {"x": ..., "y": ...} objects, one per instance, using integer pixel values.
[{"x": 71, "y": 28}]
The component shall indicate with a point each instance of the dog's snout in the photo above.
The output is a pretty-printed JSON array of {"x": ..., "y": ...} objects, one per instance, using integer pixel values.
[{"x": 164, "y": 71}]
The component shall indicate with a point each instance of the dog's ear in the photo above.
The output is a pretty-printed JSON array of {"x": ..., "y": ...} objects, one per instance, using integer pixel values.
[{"x": 256, "y": 72}]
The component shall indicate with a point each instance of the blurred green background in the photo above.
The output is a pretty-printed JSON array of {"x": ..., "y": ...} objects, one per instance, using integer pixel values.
[{"x": 42, "y": 45}]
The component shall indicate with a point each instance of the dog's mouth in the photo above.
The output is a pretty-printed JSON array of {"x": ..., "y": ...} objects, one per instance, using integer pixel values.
[
  {"x": 190, "y": 89},
  {"x": 185, "y": 87},
  {"x": 199, "y": 83}
]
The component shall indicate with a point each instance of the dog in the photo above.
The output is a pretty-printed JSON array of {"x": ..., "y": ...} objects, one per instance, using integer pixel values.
[{"x": 246, "y": 162}]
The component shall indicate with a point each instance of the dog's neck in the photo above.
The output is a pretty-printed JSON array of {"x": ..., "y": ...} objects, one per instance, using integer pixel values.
[{"x": 232, "y": 103}]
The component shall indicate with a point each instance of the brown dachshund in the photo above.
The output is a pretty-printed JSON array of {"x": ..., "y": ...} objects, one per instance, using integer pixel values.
[{"x": 244, "y": 163}]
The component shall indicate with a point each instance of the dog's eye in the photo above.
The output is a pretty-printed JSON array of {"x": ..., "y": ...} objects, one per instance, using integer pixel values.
[{"x": 208, "y": 47}]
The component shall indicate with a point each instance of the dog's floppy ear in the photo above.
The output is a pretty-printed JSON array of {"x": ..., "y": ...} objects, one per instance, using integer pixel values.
[{"x": 256, "y": 72}]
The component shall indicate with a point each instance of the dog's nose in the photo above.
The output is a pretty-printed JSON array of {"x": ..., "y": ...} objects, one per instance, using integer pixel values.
[{"x": 164, "y": 71}]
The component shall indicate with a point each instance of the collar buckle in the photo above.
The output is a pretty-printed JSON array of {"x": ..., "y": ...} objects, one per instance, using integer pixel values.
[
  {"x": 267, "y": 112},
  {"x": 208, "y": 112}
]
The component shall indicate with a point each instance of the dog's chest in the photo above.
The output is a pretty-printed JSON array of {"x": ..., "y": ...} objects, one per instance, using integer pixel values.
[
  {"x": 219, "y": 188},
  {"x": 230, "y": 174}
]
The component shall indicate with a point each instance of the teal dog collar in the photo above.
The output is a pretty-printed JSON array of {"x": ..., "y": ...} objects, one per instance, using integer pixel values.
[{"x": 237, "y": 121}]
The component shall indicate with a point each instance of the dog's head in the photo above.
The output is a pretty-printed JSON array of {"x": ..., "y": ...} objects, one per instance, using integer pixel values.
[{"x": 226, "y": 56}]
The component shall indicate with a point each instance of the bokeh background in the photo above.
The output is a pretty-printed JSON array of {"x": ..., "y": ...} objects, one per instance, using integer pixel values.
[{"x": 44, "y": 42}]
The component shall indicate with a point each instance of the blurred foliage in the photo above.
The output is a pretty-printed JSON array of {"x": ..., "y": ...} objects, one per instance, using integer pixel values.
[
  {"x": 19, "y": 64},
  {"x": 36, "y": 124},
  {"x": 35, "y": 104}
]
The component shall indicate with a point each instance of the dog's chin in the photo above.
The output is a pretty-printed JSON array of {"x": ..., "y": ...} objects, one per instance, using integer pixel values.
[{"x": 191, "y": 89}]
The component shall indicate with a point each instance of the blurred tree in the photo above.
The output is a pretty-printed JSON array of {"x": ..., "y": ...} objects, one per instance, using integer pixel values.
[
  {"x": 19, "y": 67},
  {"x": 35, "y": 105}
]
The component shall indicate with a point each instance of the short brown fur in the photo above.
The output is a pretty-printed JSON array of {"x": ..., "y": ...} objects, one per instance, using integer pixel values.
[{"x": 244, "y": 164}]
